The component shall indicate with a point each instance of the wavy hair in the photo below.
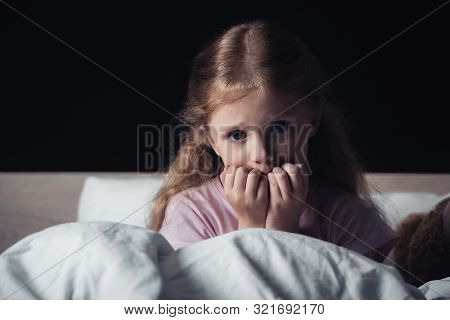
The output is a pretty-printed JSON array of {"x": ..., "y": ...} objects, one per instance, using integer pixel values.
[{"x": 253, "y": 56}]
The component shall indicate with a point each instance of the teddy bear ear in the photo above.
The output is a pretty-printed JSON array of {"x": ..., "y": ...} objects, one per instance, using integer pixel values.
[{"x": 446, "y": 217}]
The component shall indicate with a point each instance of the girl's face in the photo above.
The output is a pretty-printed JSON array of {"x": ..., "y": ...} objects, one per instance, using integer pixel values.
[{"x": 252, "y": 134}]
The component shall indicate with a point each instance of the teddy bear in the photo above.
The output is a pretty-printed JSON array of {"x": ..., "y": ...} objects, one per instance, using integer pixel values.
[{"x": 422, "y": 253}]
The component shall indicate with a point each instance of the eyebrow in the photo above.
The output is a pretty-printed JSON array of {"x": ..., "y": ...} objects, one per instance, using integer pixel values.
[
  {"x": 290, "y": 114},
  {"x": 227, "y": 129}
]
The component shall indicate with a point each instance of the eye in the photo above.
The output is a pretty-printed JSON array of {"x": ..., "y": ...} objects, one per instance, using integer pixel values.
[
  {"x": 279, "y": 127},
  {"x": 236, "y": 135}
]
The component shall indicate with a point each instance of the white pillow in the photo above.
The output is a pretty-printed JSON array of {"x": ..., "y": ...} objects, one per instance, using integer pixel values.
[
  {"x": 123, "y": 200},
  {"x": 397, "y": 205},
  {"x": 113, "y": 199}
]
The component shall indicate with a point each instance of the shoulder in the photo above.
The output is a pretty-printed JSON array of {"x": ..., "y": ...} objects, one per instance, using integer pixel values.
[
  {"x": 339, "y": 202},
  {"x": 188, "y": 217},
  {"x": 198, "y": 197},
  {"x": 351, "y": 219},
  {"x": 329, "y": 198},
  {"x": 196, "y": 204},
  {"x": 348, "y": 209}
]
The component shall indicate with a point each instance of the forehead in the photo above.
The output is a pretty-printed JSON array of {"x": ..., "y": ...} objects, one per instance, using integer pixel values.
[{"x": 258, "y": 109}]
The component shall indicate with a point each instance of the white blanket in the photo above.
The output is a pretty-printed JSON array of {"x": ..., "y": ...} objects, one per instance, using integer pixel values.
[{"x": 102, "y": 260}]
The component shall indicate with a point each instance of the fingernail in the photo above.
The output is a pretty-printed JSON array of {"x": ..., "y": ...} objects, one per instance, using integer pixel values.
[
  {"x": 289, "y": 167},
  {"x": 299, "y": 165}
]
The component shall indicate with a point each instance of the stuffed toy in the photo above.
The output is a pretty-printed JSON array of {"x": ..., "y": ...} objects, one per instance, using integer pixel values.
[{"x": 423, "y": 250}]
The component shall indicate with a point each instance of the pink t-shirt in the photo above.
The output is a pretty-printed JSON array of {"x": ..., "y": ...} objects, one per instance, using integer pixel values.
[{"x": 203, "y": 212}]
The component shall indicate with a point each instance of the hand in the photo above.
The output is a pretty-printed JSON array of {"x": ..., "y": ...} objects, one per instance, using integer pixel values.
[
  {"x": 247, "y": 193},
  {"x": 288, "y": 191}
]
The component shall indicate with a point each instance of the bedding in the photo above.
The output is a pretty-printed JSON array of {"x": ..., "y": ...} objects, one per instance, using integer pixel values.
[
  {"x": 105, "y": 260},
  {"x": 437, "y": 289}
]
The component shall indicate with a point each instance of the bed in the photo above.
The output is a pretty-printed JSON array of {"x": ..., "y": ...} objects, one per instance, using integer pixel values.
[{"x": 63, "y": 211}]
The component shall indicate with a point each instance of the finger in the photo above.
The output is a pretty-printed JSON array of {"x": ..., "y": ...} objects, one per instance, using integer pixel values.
[
  {"x": 304, "y": 178},
  {"x": 283, "y": 182},
  {"x": 273, "y": 186},
  {"x": 295, "y": 177},
  {"x": 229, "y": 178},
  {"x": 302, "y": 191},
  {"x": 223, "y": 173},
  {"x": 263, "y": 187},
  {"x": 251, "y": 187},
  {"x": 240, "y": 180}
]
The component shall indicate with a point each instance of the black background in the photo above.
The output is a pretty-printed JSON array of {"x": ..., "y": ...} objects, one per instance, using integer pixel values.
[{"x": 60, "y": 112}]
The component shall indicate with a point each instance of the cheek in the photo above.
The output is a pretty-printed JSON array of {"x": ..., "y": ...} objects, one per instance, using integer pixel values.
[
  {"x": 232, "y": 154},
  {"x": 292, "y": 150},
  {"x": 283, "y": 153},
  {"x": 283, "y": 144}
]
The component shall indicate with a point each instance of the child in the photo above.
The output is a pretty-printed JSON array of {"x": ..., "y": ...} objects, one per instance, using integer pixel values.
[{"x": 266, "y": 149}]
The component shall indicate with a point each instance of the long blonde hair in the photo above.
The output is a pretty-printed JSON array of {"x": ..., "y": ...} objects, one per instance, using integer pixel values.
[{"x": 246, "y": 57}]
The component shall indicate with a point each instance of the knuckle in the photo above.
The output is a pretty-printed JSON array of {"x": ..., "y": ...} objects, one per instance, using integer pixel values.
[
  {"x": 250, "y": 202},
  {"x": 253, "y": 174},
  {"x": 279, "y": 172},
  {"x": 291, "y": 168},
  {"x": 240, "y": 170},
  {"x": 289, "y": 196},
  {"x": 294, "y": 169},
  {"x": 277, "y": 205}
]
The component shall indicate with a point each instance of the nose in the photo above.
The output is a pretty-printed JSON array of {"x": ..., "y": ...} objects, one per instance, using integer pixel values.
[{"x": 260, "y": 154}]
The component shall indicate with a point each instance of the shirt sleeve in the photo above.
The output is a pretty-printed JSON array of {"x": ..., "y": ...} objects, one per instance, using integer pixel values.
[
  {"x": 184, "y": 223},
  {"x": 357, "y": 226}
]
